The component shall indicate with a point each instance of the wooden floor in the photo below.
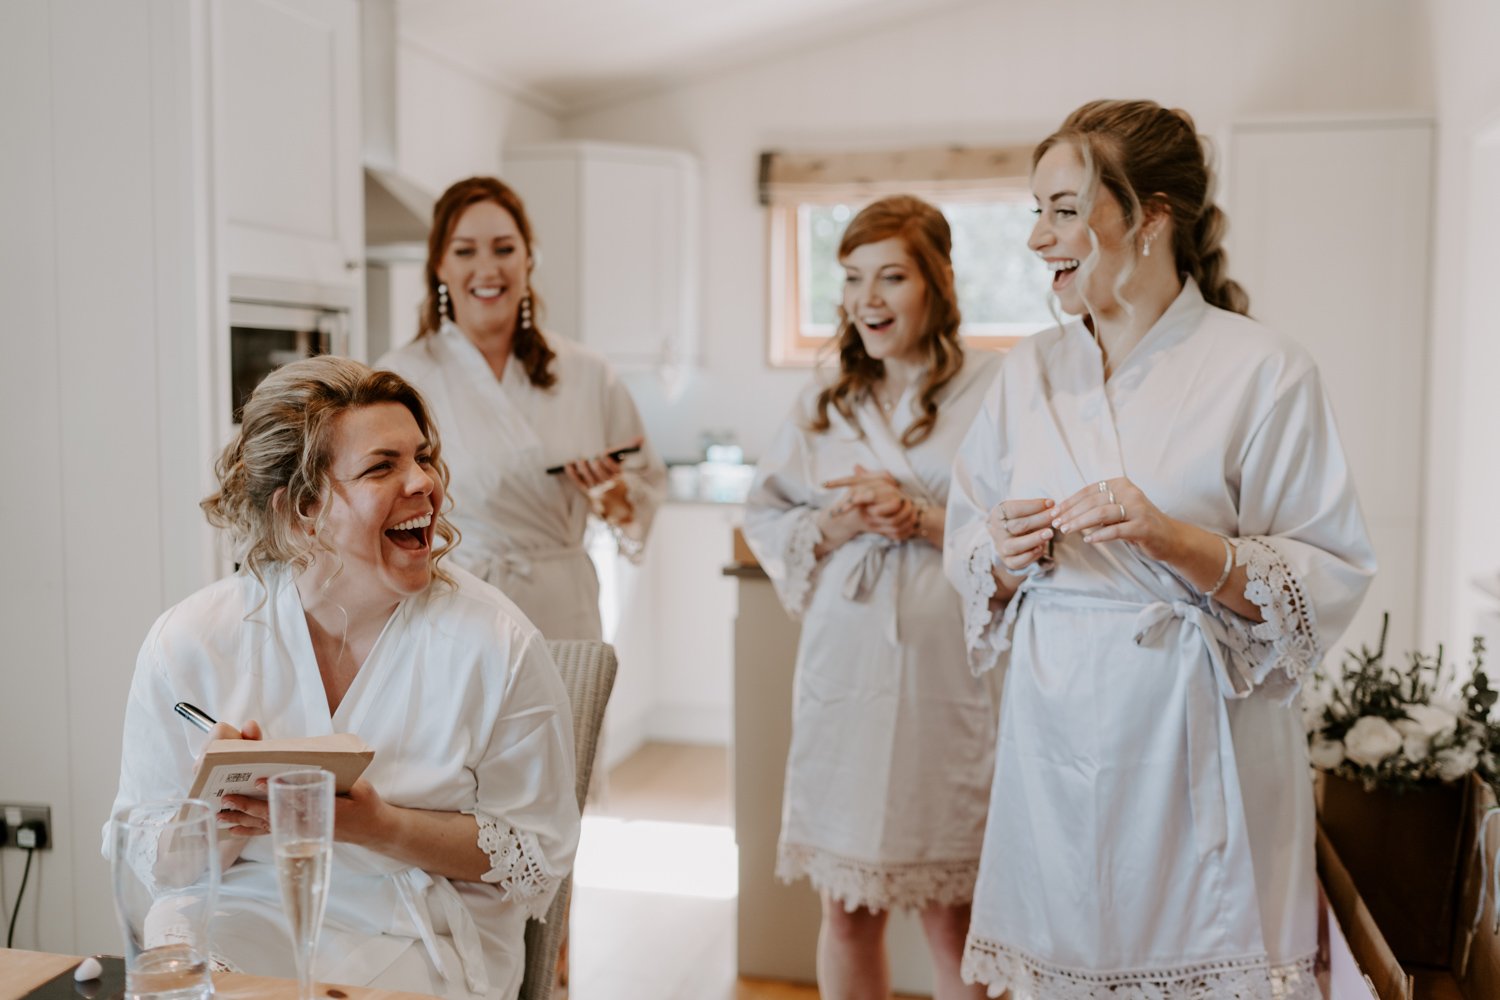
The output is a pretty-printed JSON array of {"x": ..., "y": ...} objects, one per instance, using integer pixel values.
[{"x": 658, "y": 945}]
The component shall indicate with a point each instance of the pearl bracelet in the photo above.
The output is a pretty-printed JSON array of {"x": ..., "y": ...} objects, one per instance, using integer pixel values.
[{"x": 1228, "y": 567}]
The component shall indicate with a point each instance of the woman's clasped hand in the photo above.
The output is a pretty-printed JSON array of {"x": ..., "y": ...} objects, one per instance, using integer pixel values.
[{"x": 874, "y": 502}]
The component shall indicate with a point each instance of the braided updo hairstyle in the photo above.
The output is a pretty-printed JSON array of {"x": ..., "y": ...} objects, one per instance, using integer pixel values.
[
  {"x": 275, "y": 471},
  {"x": 1142, "y": 152}
]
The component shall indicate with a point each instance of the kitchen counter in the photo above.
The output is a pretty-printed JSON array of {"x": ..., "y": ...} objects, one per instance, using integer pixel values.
[{"x": 777, "y": 923}]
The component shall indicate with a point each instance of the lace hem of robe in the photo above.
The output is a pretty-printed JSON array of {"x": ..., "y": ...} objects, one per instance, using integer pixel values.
[
  {"x": 1286, "y": 642},
  {"x": 801, "y": 563},
  {"x": 1000, "y": 968},
  {"x": 516, "y": 866},
  {"x": 877, "y": 885}
]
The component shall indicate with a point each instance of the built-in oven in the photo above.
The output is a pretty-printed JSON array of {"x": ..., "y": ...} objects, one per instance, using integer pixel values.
[{"x": 273, "y": 323}]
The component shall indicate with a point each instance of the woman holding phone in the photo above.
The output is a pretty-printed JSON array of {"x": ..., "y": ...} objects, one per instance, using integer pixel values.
[{"x": 539, "y": 431}]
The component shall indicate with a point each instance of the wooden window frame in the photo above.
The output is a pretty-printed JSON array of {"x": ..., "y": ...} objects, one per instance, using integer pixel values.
[{"x": 791, "y": 343}]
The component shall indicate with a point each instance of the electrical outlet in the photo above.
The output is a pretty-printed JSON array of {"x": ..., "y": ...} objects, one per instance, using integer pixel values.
[{"x": 18, "y": 816}]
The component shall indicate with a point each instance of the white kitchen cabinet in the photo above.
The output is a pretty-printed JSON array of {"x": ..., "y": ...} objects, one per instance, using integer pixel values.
[
  {"x": 617, "y": 232},
  {"x": 287, "y": 146},
  {"x": 1330, "y": 235}
]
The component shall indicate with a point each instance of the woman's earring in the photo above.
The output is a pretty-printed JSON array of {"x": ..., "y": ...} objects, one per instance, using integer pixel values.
[
  {"x": 443, "y": 302},
  {"x": 526, "y": 312},
  {"x": 1146, "y": 250}
]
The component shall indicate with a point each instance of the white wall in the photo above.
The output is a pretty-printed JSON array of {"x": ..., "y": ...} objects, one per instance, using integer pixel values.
[
  {"x": 1463, "y": 428},
  {"x": 99, "y": 107},
  {"x": 452, "y": 123},
  {"x": 987, "y": 71}
]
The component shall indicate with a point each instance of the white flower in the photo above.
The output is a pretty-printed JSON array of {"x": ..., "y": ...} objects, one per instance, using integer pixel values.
[
  {"x": 1414, "y": 746},
  {"x": 1456, "y": 762},
  {"x": 1371, "y": 740},
  {"x": 1326, "y": 754},
  {"x": 1429, "y": 720}
]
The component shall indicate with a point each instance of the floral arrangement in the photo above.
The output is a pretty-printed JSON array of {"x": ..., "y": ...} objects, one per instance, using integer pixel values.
[{"x": 1402, "y": 727}]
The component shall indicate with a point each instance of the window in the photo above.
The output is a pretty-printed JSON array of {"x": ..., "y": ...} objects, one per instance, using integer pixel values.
[{"x": 1002, "y": 286}]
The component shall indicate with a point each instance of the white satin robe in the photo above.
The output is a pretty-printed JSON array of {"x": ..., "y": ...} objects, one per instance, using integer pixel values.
[
  {"x": 892, "y": 736},
  {"x": 523, "y": 530},
  {"x": 466, "y": 713},
  {"x": 1151, "y": 826}
]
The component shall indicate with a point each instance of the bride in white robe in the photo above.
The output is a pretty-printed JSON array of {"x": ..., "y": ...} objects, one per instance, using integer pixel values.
[
  {"x": 1156, "y": 536},
  {"x": 465, "y": 822},
  {"x": 892, "y": 737},
  {"x": 512, "y": 403}
]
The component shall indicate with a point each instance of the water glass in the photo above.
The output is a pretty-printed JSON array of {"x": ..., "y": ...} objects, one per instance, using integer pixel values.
[
  {"x": 302, "y": 839},
  {"x": 165, "y": 867}
]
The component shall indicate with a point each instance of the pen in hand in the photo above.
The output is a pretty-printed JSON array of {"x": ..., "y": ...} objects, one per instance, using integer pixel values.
[{"x": 195, "y": 715}]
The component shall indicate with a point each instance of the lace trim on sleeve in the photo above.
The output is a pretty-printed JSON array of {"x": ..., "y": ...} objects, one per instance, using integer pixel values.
[
  {"x": 516, "y": 866},
  {"x": 1286, "y": 642},
  {"x": 801, "y": 563},
  {"x": 979, "y": 594},
  {"x": 988, "y": 641}
]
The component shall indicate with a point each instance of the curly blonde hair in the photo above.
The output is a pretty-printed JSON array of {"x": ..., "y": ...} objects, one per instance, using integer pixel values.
[
  {"x": 925, "y": 232},
  {"x": 276, "y": 470}
]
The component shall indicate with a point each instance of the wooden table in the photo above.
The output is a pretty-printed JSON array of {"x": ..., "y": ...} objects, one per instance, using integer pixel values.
[{"x": 21, "y": 971}]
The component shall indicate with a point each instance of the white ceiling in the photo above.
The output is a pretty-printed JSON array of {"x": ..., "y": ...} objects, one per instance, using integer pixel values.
[{"x": 571, "y": 55}]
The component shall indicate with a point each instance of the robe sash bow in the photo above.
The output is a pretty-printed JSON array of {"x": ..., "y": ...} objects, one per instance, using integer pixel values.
[{"x": 1212, "y": 672}]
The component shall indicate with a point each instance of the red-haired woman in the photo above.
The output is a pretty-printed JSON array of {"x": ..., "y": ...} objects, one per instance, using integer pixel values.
[
  {"x": 512, "y": 403},
  {"x": 892, "y": 737}
]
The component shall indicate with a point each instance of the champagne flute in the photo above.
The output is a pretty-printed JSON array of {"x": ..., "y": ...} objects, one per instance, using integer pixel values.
[{"x": 302, "y": 838}]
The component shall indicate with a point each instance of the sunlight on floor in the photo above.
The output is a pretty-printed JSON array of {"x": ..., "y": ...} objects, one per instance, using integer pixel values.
[{"x": 677, "y": 859}]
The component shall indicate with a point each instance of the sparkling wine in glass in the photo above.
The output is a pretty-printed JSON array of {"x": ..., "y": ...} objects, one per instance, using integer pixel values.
[{"x": 302, "y": 838}]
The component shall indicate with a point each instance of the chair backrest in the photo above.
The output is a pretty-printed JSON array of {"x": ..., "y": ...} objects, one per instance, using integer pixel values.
[{"x": 588, "y": 673}]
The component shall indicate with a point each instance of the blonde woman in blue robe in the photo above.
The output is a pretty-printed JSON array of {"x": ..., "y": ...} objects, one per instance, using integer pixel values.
[
  {"x": 1157, "y": 537},
  {"x": 892, "y": 738}
]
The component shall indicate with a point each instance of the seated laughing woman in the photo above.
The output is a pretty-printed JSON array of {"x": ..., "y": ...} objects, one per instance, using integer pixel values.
[{"x": 342, "y": 619}]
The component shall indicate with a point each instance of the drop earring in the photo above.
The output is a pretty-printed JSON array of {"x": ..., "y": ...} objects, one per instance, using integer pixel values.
[
  {"x": 443, "y": 302},
  {"x": 1146, "y": 250},
  {"x": 526, "y": 312}
]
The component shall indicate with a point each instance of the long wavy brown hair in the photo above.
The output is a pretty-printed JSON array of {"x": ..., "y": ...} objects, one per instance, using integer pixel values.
[
  {"x": 528, "y": 346},
  {"x": 1142, "y": 152},
  {"x": 930, "y": 242}
]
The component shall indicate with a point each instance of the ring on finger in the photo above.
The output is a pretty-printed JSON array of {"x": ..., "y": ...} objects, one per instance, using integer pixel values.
[
  {"x": 1103, "y": 486},
  {"x": 1111, "y": 495},
  {"x": 1122, "y": 511}
]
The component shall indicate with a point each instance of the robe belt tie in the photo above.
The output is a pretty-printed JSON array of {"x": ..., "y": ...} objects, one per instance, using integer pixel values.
[
  {"x": 520, "y": 562},
  {"x": 1207, "y": 689},
  {"x": 860, "y": 581},
  {"x": 417, "y": 888}
]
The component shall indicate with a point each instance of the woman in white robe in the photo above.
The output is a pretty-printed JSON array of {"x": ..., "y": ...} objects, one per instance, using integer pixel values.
[
  {"x": 465, "y": 822},
  {"x": 513, "y": 403},
  {"x": 892, "y": 737},
  {"x": 1156, "y": 537}
]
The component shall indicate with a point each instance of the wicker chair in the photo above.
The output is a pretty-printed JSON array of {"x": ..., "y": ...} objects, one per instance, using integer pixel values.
[{"x": 588, "y": 673}]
